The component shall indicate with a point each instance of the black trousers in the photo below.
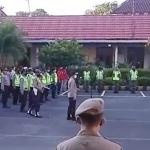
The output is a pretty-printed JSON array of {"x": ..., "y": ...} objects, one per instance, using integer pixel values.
[
  {"x": 23, "y": 98},
  {"x": 16, "y": 92},
  {"x": 36, "y": 102},
  {"x": 71, "y": 107},
  {"x": 30, "y": 97},
  {"x": 58, "y": 87},
  {"x": 5, "y": 95},
  {"x": 10, "y": 88},
  {"x": 46, "y": 92},
  {"x": 53, "y": 88}
]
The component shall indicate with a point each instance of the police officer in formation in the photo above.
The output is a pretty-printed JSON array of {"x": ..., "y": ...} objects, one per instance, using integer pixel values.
[
  {"x": 100, "y": 79},
  {"x": 86, "y": 80},
  {"x": 90, "y": 116},
  {"x": 116, "y": 75},
  {"x": 133, "y": 74},
  {"x": 28, "y": 84}
]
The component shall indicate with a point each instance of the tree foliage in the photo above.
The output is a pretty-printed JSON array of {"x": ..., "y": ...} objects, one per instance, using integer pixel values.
[
  {"x": 62, "y": 53},
  {"x": 11, "y": 42},
  {"x": 102, "y": 9},
  {"x": 37, "y": 12}
]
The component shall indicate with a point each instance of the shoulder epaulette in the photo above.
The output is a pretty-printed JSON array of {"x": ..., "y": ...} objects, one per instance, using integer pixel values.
[{"x": 113, "y": 141}]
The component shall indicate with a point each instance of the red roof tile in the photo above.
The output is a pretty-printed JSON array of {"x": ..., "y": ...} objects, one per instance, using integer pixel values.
[
  {"x": 140, "y": 6},
  {"x": 85, "y": 27}
]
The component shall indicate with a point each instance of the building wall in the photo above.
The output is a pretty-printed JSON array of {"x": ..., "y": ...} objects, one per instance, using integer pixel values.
[
  {"x": 33, "y": 56},
  {"x": 146, "y": 59},
  {"x": 90, "y": 51}
]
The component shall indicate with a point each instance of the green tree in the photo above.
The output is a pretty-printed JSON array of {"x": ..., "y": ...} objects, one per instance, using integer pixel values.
[
  {"x": 62, "y": 53},
  {"x": 102, "y": 9},
  {"x": 37, "y": 12},
  {"x": 11, "y": 42}
]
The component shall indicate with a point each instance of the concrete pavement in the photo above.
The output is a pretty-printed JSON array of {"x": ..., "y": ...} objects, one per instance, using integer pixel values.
[{"x": 127, "y": 115}]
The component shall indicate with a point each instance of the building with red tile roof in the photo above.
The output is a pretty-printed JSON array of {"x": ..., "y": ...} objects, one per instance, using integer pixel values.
[
  {"x": 134, "y": 6},
  {"x": 111, "y": 39},
  {"x": 2, "y": 12}
]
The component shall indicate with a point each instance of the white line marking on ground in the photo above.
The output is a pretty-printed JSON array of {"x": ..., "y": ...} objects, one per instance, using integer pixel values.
[
  {"x": 103, "y": 93},
  {"x": 142, "y": 94},
  {"x": 49, "y": 136},
  {"x": 111, "y": 96},
  {"x": 107, "y": 120}
]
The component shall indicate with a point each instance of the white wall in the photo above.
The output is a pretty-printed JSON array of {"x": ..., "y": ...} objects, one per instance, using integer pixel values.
[
  {"x": 34, "y": 57},
  {"x": 146, "y": 59}
]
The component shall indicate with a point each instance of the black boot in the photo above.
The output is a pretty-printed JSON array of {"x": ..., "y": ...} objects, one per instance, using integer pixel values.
[
  {"x": 68, "y": 117},
  {"x": 38, "y": 115}
]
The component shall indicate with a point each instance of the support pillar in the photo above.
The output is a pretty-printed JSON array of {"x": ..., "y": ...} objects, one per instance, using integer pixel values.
[
  {"x": 37, "y": 53},
  {"x": 116, "y": 56}
]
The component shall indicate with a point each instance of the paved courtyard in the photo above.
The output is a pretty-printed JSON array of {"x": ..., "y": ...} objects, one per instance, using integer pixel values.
[{"x": 127, "y": 115}]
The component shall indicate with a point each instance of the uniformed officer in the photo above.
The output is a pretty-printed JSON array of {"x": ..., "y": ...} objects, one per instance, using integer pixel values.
[
  {"x": 36, "y": 94},
  {"x": 86, "y": 80},
  {"x": 48, "y": 82},
  {"x": 16, "y": 87},
  {"x": 43, "y": 81},
  {"x": 30, "y": 78},
  {"x": 133, "y": 79},
  {"x": 116, "y": 75},
  {"x": 24, "y": 88},
  {"x": 5, "y": 85},
  {"x": 99, "y": 79},
  {"x": 90, "y": 116},
  {"x": 54, "y": 80},
  {"x": 72, "y": 96}
]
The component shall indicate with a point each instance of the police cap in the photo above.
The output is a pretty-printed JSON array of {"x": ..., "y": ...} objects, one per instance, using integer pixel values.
[{"x": 92, "y": 106}]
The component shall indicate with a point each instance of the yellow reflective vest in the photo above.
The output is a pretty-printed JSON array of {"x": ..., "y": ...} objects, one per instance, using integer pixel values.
[
  {"x": 16, "y": 80},
  {"x": 25, "y": 83}
]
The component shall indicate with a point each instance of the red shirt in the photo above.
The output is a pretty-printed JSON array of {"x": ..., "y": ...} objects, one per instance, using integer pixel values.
[{"x": 62, "y": 74}]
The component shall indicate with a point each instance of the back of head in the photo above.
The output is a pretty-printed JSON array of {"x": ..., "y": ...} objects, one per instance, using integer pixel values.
[{"x": 90, "y": 112}]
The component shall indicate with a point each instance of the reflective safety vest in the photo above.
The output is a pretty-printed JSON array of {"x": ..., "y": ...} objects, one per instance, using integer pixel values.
[
  {"x": 16, "y": 80},
  {"x": 30, "y": 79},
  {"x": 43, "y": 80},
  {"x": 48, "y": 78},
  {"x": 25, "y": 83},
  {"x": 134, "y": 75},
  {"x": 99, "y": 74},
  {"x": 116, "y": 75},
  {"x": 54, "y": 78},
  {"x": 86, "y": 75}
]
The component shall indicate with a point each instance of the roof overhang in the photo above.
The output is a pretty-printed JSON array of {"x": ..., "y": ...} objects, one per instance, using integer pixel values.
[{"x": 92, "y": 41}]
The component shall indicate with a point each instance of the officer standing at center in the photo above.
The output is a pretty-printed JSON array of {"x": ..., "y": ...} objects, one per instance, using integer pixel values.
[
  {"x": 72, "y": 96},
  {"x": 90, "y": 116},
  {"x": 24, "y": 88}
]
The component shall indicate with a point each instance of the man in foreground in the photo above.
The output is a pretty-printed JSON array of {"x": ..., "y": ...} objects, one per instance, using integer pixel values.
[{"x": 90, "y": 116}]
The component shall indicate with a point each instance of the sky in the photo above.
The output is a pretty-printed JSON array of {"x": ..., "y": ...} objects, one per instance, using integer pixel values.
[{"x": 53, "y": 7}]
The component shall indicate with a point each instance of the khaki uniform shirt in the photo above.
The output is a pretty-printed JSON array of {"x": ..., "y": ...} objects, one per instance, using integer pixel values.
[
  {"x": 88, "y": 140},
  {"x": 37, "y": 84},
  {"x": 72, "y": 88}
]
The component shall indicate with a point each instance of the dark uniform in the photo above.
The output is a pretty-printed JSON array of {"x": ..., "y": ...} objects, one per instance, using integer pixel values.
[{"x": 36, "y": 95}]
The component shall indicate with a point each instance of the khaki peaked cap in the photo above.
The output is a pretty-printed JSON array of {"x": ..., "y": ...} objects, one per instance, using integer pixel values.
[{"x": 93, "y": 106}]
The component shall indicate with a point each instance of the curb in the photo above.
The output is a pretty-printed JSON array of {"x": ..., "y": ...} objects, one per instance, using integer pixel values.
[{"x": 124, "y": 88}]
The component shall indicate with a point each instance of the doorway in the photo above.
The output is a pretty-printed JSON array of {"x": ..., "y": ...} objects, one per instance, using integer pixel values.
[
  {"x": 135, "y": 56},
  {"x": 104, "y": 56}
]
